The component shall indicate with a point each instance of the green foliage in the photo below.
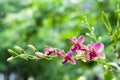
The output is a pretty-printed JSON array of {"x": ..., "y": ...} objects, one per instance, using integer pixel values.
[
  {"x": 116, "y": 34},
  {"x": 108, "y": 75},
  {"x": 51, "y": 22},
  {"x": 118, "y": 72},
  {"x": 106, "y": 22}
]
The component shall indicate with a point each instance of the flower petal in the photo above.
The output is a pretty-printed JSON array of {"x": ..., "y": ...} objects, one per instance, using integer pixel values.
[
  {"x": 73, "y": 40},
  {"x": 81, "y": 39},
  {"x": 64, "y": 61},
  {"x": 90, "y": 46},
  {"x": 101, "y": 55},
  {"x": 73, "y": 48},
  {"x": 98, "y": 47},
  {"x": 87, "y": 56},
  {"x": 72, "y": 61},
  {"x": 69, "y": 53},
  {"x": 61, "y": 53},
  {"x": 49, "y": 50}
]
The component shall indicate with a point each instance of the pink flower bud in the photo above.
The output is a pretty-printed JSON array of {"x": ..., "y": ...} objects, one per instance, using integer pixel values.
[{"x": 39, "y": 55}]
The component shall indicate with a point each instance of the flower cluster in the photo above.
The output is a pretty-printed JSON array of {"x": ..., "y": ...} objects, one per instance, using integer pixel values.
[{"x": 83, "y": 52}]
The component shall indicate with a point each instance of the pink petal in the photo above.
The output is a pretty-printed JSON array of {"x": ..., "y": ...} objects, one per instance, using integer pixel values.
[
  {"x": 48, "y": 49},
  {"x": 98, "y": 47},
  {"x": 84, "y": 48},
  {"x": 72, "y": 61},
  {"x": 90, "y": 46},
  {"x": 87, "y": 56},
  {"x": 61, "y": 53},
  {"x": 81, "y": 39},
  {"x": 73, "y": 40},
  {"x": 69, "y": 53},
  {"x": 73, "y": 48},
  {"x": 101, "y": 55},
  {"x": 64, "y": 61}
]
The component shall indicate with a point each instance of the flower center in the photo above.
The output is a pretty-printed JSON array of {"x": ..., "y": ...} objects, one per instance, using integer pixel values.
[{"x": 92, "y": 54}]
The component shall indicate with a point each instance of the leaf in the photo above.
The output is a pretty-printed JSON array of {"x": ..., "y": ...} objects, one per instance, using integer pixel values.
[
  {"x": 106, "y": 22},
  {"x": 116, "y": 34},
  {"x": 108, "y": 75},
  {"x": 118, "y": 73},
  {"x": 119, "y": 32}
]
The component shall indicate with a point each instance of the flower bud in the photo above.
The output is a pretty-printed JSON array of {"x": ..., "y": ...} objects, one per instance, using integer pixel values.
[
  {"x": 100, "y": 38},
  {"x": 10, "y": 59},
  {"x": 82, "y": 78},
  {"x": 32, "y": 47},
  {"x": 93, "y": 28},
  {"x": 24, "y": 56},
  {"x": 39, "y": 54},
  {"x": 18, "y": 48},
  {"x": 88, "y": 34},
  {"x": 105, "y": 67},
  {"x": 12, "y": 52}
]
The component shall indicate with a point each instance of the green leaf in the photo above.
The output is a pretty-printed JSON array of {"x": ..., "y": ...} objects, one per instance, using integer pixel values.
[
  {"x": 116, "y": 34},
  {"x": 106, "y": 22},
  {"x": 108, "y": 75},
  {"x": 119, "y": 32},
  {"x": 118, "y": 73}
]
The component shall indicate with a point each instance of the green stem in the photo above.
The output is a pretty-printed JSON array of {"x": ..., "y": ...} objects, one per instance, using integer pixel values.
[
  {"x": 31, "y": 56},
  {"x": 118, "y": 25}
]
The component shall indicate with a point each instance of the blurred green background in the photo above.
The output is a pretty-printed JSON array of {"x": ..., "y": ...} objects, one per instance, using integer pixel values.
[{"x": 52, "y": 22}]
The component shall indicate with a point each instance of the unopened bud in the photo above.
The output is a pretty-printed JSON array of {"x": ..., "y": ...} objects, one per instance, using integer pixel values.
[
  {"x": 100, "y": 0},
  {"x": 88, "y": 34},
  {"x": 10, "y": 59},
  {"x": 18, "y": 48},
  {"x": 32, "y": 48},
  {"x": 100, "y": 38},
  {"x": 82, "y": 78},
  {"x": 12, "y": 52},
  {"x": 93, "y": 28},
  {"x": 39, "y": 54},
  {"x": 105, "y": 67},
  {"x": 24, "y": 56}
]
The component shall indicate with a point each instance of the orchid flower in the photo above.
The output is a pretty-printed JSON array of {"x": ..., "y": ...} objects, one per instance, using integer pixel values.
[
  {"x": 61, "y": 53},
  {"x": 78, "y": 43},
  {"x": 68, "y": 57},
  {"x": 39, "y": 55},
  {"x": 49, "y": 50},
  {"x": 95, "y": 50}
]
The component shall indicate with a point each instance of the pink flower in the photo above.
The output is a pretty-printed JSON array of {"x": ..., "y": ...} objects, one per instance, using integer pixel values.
[
  {"x": 95, "y": 50},
  {"x": 68, "y": 57},
  {"x": 61, "y": 53},
  {"x": 49, "y": 50},
  {"x": 39, "y": 55},
  {"x": 79, "y": 41},
  {"x": 78, "y": 44}
]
